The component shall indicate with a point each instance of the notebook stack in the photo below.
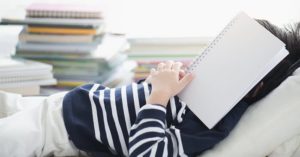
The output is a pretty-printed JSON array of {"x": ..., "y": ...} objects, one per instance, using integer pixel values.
[
  {"x": 148, "y": 52},
  {"x": 24, "y": 77},
  {"x": 72, "y": 38}
]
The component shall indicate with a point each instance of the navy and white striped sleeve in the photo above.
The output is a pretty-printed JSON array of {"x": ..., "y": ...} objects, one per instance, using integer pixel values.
[{"x": 150, "y": 137}]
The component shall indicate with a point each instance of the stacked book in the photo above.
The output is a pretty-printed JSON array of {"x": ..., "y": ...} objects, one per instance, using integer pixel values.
[
  {"x": 72, "y": 39},
  {"x": 24, "y": 77},
  {"x": 148, "y": 52}
]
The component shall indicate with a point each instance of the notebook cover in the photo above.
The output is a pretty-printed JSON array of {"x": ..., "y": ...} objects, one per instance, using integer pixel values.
[{"x": 229, "y": 67}]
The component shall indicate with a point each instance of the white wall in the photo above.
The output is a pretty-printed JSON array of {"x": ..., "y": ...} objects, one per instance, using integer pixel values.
[
  {"x": 176, "y": 17},
  {"x": 203, "y": 17}
]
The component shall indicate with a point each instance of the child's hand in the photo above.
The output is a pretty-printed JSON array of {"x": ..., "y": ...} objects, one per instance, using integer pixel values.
[
  {"x": 181, "y": 75},
  {"x": 167, "y": 81}
]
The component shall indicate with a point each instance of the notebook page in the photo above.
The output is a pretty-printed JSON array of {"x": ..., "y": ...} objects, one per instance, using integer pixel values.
[
  {"x": 231, "y": 64},
  {"x": 7, "y": 62}
]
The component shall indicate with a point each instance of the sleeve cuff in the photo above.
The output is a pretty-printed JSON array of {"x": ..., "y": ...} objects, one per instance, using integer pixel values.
[{"x": 154, "y": 111}]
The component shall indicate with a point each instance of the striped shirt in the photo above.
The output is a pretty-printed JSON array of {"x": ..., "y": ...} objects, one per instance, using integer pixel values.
[{"x": 118, "y": 122}]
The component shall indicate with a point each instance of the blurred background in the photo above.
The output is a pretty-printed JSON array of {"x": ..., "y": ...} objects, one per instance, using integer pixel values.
[
  {"x": 155, "y": 30},
  {"x": 174, "y": 17}
]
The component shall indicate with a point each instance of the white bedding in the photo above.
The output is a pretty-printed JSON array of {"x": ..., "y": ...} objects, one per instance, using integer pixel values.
[{"x": 270, "y": 127}]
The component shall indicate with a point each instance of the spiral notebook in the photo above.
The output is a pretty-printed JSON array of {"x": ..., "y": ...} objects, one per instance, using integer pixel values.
[
  {"x": 56, "y": 10},
  {"x": 236, "y": 60}
]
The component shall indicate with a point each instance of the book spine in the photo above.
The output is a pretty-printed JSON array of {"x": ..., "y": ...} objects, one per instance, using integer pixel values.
[
  {"x": 63, "y": 14},
  {"x": 61, "y": 30},
  {"x": 71, "y": 48},
  {"x": 55, "y": 39}
]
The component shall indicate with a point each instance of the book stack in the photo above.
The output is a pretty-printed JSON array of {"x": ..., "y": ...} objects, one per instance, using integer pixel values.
[
  {"x": 24, "y": 77},
  {"x": 72, "y": 39},
  {"x": 148, "y": 52}
]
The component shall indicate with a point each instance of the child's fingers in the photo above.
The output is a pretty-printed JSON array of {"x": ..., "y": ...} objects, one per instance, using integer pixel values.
[
  {"x": 152, "y": 71},
  {"x": 186, "y": 80},
  {"x": 177, "y": 66},
  {"x": 161, "y": 66},
  {"x": 169, "y": 64}
]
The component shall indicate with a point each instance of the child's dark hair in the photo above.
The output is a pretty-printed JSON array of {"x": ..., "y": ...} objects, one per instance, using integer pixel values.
[{"x": 291, "y": 37}]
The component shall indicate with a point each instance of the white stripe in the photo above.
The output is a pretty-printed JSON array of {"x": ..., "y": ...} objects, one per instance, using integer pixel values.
[
  {"x": 174, "y": 142},
  {"x": 106, "y": 126},
  {"x": 180, "y": 150},
  {"x": 134, "y": 147},
  {"x": 125, "y": 108},
  {"x": 165, "y": 152},
  {"x": 135, "y": 98},
  {"x": 184, "y": 105},
  {"x": 94, "y": 112},
  {"x": 173, "y": 107},
  {"x": 146, "y": 130},
  {"x": 150, "y": 106},
  {"x": 146, "y": 90},
  {"x": 147, "y": 120},
  {"x": 180, "y": 112},
  {"x": 153, "y": 150},
  {"x": 117, "y": 122}
]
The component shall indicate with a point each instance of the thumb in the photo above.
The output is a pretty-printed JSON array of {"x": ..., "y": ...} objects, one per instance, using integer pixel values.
[{"x": 186, "y": 80}]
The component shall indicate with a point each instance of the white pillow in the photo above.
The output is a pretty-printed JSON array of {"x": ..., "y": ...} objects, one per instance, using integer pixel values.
[{"x": 266, "y": 124}]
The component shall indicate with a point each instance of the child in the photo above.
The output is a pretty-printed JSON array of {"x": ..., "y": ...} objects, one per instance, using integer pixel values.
[
  {"x": 126, "y": 121},
  {"x": 144, "y": 119},
  {"x": 131, "y": 120}
]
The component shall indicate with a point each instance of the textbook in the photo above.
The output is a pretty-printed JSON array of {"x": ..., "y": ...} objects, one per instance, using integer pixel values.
[
  {"x": 233, "y": 63},
  {"x": 57, "y": 47},
  {"x": 65, "y": 30},
  {"x": 57, "y": 38},
  {"x": 54, "y": 22},
  {"x": 63, "y": 10}
]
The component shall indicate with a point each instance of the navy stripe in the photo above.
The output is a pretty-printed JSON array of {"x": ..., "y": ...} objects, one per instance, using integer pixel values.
[
  {"x": 160, "y": 149},
  {"x": 100, "y": 118},
  {"x": 130, "y": 104},
  {"x": 169, "y": 117},
  {"x": 121, "y": 116},
  {"x": 141, "y": 94},
  {"x": 149, "y": 114},
  {"x": 142, "y": 148},
  {"x": 111, "y": 122},
  {"x": 146, "y": 136},
  {"x": 147, "y": 154},
  {"x": 78, "y": 119},
  {"x": 170, "y": 145}
]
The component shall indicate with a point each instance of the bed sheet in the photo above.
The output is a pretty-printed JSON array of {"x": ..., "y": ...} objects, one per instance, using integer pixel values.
[{"x": 270, "y": 127}]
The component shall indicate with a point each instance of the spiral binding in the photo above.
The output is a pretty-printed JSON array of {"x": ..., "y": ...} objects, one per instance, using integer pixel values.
[
  {"x": 62, "y": 14},
  {"x": 211, "y": 45}
]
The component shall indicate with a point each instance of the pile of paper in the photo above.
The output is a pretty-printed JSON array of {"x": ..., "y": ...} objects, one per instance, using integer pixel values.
[{"x": 24, "y": 77}]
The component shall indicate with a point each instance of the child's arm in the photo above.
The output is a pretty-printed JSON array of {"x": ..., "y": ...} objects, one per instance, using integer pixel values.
[{"x": 149, "y": 134}]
